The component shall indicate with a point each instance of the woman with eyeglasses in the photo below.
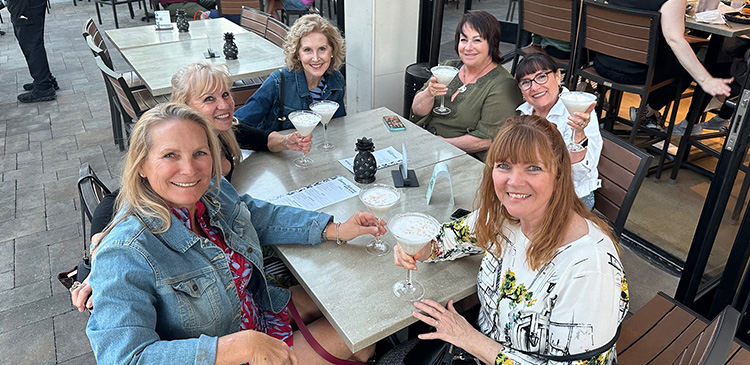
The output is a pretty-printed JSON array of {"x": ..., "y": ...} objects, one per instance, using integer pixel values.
[
  {"x": 539, "y": 79},
  {"x": 481, "y": 97}
]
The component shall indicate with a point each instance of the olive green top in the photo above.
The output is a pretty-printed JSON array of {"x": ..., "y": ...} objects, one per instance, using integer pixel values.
[{"x": 479, "y": 111}]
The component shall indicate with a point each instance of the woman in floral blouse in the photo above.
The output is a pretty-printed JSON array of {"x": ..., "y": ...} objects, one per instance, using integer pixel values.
[{"x": 551, "y": 285}]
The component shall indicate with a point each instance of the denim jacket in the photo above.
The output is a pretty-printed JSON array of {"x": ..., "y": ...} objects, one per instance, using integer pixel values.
[
  {"x": 262, "y": 109},
  {"x": 167, "y": 297}
]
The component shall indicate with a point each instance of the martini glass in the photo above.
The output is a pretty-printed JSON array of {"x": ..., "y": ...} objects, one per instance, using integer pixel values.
[
  {"x": 445, "y": 75},
  {"x": 305, "y": 121},
  {"x": 379, "y": 199},
  {"x": 413, "y": 231},
  {"x": 576, "y": 101},
  {"x": 326, "y": 109}
]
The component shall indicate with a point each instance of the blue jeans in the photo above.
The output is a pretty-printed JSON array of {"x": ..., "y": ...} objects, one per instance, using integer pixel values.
[
  {"x": 293, "y": 5},
  {"x": 588, "y": 200}
]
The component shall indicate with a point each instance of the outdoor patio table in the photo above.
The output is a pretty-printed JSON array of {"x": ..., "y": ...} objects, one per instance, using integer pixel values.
[
  {"x": 124, "y": 38},
  {"x": 351, "y": 287}
]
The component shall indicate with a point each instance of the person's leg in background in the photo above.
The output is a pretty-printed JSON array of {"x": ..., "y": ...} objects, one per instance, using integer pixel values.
[{"x": 31, "y": 40}]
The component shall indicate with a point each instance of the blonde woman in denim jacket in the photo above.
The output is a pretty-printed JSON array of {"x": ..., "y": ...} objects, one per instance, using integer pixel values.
[
  {"x": 179, "y": 274},
  {"x": 314, "y": 52}
]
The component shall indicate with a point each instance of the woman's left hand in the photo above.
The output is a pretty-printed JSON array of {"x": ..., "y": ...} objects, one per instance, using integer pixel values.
[
  {"x": 450, "y": 326},
  {"x": 358, "y": 224},
  {"x": 578, "y": 121}
]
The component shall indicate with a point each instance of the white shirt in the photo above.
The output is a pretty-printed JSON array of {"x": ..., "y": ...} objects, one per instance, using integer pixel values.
[{"x": 585, "y": 173}]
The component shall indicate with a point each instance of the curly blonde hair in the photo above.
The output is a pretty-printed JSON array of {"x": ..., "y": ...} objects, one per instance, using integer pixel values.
[
  {"x": 531, "y": 139},
  {"x": 313, "y": 23}
]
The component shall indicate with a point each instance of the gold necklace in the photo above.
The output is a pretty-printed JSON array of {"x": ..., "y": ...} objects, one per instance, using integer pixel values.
[{"x": 463, "y": 87}]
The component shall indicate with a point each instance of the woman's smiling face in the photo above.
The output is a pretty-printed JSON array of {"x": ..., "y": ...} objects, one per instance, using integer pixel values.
[{"x": 315, "y": 54}]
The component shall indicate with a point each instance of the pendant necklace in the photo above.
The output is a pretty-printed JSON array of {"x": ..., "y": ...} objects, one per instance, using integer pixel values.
[{"x": 463, "y": 87}]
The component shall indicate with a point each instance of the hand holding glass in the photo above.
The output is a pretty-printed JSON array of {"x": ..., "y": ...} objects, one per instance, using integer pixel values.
[
  {"x": 326, "y": 109},
  {"x": 379, "y": 199},
  {"x": 445, "y": 75},
  {"x": 305, "y": 121},
  {"x": 413, "y": 231},
  {"x": 576, "y": 101}
]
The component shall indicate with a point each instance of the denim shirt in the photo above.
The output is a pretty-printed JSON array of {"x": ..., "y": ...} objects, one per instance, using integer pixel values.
[
  {"x": 262, "y": 109},
  {"x": 167, "y": 297}
]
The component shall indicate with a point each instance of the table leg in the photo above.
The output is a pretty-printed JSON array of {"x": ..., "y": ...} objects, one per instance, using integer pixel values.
[{"x": 695, "y": 110}]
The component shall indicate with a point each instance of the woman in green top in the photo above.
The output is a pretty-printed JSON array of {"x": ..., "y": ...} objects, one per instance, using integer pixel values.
[{"x": 480, "y": 98}]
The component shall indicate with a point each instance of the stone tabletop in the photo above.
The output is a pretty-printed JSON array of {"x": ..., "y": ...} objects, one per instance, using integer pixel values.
[
  {"x": 147, "y": 35},
  {"x": 423, "y": 149},
  {"x": 156, "y": 63},
  {"x": 352, "y": 288}
]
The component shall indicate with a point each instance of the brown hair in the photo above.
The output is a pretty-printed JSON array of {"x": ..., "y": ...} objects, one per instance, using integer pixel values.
[
  {"x": 531, "y": 139},
  {"x": 488, "y": 28},
  {"x": 202, "y": 78},
  {"x": 313, "y": 23},
  {"x": 534, "y": 63}
]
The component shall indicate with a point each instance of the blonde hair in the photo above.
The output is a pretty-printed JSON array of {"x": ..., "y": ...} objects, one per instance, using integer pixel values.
[
  {"x": 202, "y": 78},
  {"x": 531, "y": 139},
  {"x": 313, "y": 23},
  {"x": 136, "y": 194}
]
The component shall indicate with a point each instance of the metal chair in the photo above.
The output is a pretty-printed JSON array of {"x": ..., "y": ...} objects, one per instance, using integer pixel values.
[
  {"x": 254, "y": 20},
  {"x": 628, "y": 34},
  {"x": 276, "y": 31},
  {"x": 114, "y": 3},
  {"x": 285, "y": 14},
  {"x": 666, "y": 332},
  {"x": 131, "y": 103},
  {"x": 556, "y": 19},
  {"x": 232, "y": 9},
  {"x": 622, "y": 168}
]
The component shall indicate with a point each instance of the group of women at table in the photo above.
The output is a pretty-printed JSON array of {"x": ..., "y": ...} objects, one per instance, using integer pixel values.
[{"x": 178, "y": 274}]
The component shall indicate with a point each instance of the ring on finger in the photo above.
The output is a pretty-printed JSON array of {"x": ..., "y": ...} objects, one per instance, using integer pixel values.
[
  {"x": 437, "y": 323},
  {"x": 75, "y": 285}
]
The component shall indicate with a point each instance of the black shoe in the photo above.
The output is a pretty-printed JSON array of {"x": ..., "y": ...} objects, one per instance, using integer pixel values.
[
  {"x": 36, "y": 95},
  {"x": 30, "y": 86}
]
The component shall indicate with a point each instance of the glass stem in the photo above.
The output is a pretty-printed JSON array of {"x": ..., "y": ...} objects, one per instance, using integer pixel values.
[
  {"x": 325, "y": 133},
  {"x": 442, "y": 101},
  {"x": 408, "y": 278},
  {"x": 574, "y": 135}
]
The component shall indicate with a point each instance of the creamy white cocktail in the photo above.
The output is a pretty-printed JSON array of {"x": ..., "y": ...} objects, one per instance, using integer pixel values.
[
  {"x": 576, "y": 102},
  {"x": 444, "y": 75},
  {"x": 379, "y": 199},
  {"x": 413, "y": 231},
  {"x": 304, "y": 121},
  {"x": 326, "y": 109}
]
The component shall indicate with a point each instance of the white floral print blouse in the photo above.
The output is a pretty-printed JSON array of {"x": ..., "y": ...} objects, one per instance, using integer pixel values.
[{"x": 571, "y": 305}]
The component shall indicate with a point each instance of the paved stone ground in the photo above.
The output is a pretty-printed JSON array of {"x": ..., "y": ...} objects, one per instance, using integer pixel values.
[{"x": 42, "y": 146}]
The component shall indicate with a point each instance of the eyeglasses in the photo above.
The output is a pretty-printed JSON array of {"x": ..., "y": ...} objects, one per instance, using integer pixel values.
[{"x": 540, "y": 79}]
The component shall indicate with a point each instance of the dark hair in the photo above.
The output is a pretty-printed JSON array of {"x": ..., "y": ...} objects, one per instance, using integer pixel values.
[
  {"x": 534, "y": 63},
  {"x": 488, "y": 28}
]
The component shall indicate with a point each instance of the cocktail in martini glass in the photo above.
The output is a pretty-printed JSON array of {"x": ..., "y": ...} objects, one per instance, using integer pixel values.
[
  {"x": 305, "y": 121},
  {"x": 576, "y": 101},
  {"x": 412, "y": 231},
  {"x": 445, "y": 75},
  {"x": 379, "y": 199},
  {"x": 326, "y": 109}
]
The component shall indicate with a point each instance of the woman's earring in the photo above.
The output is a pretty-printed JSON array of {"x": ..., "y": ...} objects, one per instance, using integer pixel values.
[{"x": 142, "y": 176}]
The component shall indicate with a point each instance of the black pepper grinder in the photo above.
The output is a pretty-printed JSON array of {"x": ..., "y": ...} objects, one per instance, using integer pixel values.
[
  {"x": 230, "y": 48},
  {"x": 182, "y": 22},
  {"x": 365, "y": 165}
]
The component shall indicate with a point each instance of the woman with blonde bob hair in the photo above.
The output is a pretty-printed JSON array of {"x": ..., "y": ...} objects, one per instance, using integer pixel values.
[
  {"x": 551, "y": 286},
  {"x": 178, "y": 277},
  {"x": 313, "y": 54}
]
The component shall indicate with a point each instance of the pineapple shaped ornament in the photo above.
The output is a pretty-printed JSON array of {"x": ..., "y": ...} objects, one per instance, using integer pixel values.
[
  {"x": 182, "y": 22},
  {"x": 230, "y": 48},
  {"x": 365, "y": 165}
]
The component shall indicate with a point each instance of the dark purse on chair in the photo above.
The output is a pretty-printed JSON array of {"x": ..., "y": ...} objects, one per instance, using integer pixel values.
[{"x": 91, "y": 190}]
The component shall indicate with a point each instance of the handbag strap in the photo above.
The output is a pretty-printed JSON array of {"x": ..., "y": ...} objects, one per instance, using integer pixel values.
[
  {"x": 280, "y": 115},
  {"x": 582, "y": 356},
  {"x": 314, "y": 343}
]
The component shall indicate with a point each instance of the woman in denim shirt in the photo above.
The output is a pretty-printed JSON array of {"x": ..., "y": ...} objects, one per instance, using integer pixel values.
[
  {"x": 178, "y": 278},
  {"x": 314, "y": 52}
]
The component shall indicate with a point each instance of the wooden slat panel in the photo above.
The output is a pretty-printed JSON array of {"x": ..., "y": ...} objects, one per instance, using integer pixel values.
[
  {"x": 657, "y": 338},
  {"x": 612, "y": 191},
  {"x": 616, "y": 34},
  {"x": 619, "y": 28},
  {"x": 614, "y": 172},
  {"x": 606, "y": 207},
  {"x": 616, "y": 17},
  {"x": 642, "y": 321},
  {"x": 742, "y": 357},
  {"x": 620, "y": 155},
  {"x": 554, "y": 23},
  {"x": 674, "y": 351}
]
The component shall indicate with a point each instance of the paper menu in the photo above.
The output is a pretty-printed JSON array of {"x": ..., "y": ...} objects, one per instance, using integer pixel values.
[
  {"x": 319, "y": 195},
  {"x": 385, "y": 158}
]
